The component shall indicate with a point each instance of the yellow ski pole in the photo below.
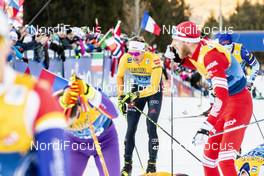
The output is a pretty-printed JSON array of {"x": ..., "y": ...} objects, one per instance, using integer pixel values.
[{"x": 85, "y": 108}]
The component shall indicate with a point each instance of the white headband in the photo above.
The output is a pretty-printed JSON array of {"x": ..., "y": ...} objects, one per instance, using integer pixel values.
[
  {"x": 183, "y": 37},
  {"x": 135, "y": 45}
]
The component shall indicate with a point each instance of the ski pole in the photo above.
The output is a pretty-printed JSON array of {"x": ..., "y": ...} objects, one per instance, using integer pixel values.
[
  {"x": 142, "y": 167},
  {"x": 258, "y": 126},
  {"x": 191, "y": 116},
  {"x": 85, "y": 108},
  {"x": 39, "y": 12},
  {"x": 201, "y": 98},
  {"x": 139, "y": 159},
  {"x": 235, "y": 128},
  {"x": 171, "y": 117},
  {"x": 182, "y": 146}
]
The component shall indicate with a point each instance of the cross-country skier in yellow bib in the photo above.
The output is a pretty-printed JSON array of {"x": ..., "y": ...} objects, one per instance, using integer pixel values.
[{"x": 145, "y": 69}]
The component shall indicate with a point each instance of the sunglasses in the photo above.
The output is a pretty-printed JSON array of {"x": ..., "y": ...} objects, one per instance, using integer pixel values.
[
  {"x": 225, "y": 42},
  {"x": 134, "y": 53}
]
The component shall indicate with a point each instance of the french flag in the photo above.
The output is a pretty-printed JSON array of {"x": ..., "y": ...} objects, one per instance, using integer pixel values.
[{"x": 149, "y": 24}]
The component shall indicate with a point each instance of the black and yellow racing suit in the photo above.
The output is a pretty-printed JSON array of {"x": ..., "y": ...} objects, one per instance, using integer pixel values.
[{"x": 147, "y": 80}]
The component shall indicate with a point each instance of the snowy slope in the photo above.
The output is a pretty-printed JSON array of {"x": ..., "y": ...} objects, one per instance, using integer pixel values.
[
  {"x": 184, "y": 130},
  {"x": 259, "y": 83}
]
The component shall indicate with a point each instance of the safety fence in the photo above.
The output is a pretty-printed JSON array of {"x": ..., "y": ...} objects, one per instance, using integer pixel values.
[{"x": 95, "y": 69}]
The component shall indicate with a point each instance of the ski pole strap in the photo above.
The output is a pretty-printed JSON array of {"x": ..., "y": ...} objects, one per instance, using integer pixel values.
[
  {"x": 235, "y": 128},
  {"x": 182, "y": 146}
]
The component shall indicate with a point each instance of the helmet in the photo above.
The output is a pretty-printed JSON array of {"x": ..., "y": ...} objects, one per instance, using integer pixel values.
[
  {"x": 225, "y": 39},
  {"x": 245, "y": 169}
]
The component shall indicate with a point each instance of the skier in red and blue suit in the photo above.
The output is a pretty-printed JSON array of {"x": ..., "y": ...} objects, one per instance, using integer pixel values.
[{"x": 232, "y": 105}]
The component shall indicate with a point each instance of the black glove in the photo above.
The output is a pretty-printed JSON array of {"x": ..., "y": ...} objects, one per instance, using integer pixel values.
[
  {"x": 177, "y": 58},
  {"x": 25, "y": 60}
]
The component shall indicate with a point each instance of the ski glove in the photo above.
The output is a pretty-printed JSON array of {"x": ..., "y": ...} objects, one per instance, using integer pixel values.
[
  {"x": 169, "y": 53},
  {"x": 69, "y": 97},
  {"x": 123, "y": 100},
  {"x": 81, "y": 87},
  {"x": 130, "y": 97},
  {"x": 202, "y": 134},
  {"x": 122, "y": 106},
  {"x": 172, "y": 54}
]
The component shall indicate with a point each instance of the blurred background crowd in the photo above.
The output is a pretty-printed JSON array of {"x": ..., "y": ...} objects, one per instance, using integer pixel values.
[{"x": 62, "y": 42}]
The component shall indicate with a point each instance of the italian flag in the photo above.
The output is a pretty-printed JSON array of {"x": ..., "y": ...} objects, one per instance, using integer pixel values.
[
  {"x": 97, "y": 62},
  {"x": 108, "y": 41}
]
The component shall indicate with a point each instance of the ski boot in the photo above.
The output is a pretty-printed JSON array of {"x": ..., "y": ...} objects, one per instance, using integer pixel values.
[
  {"x": 151, "y": 167},
  {"x": 127, "y": 169}
]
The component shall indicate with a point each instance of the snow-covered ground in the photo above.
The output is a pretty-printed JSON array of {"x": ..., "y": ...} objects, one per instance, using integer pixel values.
[
  {"x": 184, "y": 130},
  {"x": 259, "y": 83}
]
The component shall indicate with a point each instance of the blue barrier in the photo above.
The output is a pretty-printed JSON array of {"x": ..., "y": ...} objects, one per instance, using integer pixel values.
[
  {"x": 252, "y": 40},
  {"x": 83, "y": 67}
]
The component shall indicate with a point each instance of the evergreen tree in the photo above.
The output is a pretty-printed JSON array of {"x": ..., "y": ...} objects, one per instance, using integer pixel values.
[
  {"x": 75, "y": 12},
  {"x": 247, "y": 16},
  {"x": 83, "y": 13}
]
